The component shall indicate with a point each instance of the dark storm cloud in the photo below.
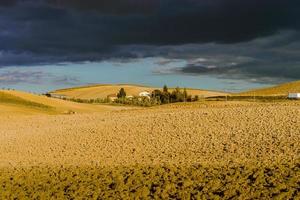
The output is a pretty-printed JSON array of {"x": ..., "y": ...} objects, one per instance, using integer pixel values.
[
  {"x": 272, "y": 59},
  {"x": 110, "y": 6},
  {"x": 94, "y": 25},
  {"x": 168, "y": 22},
  {"x": 53, "y": 31}
]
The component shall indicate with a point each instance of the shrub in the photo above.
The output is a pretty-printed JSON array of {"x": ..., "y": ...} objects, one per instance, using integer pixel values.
[
  {"x": 177, "y": 96},
  {"x": 196, "y": 98}
]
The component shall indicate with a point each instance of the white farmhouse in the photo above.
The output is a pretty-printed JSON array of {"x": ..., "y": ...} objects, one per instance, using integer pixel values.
[
  {"x": 130, "y": 97},
  {"x": 294, "y": 96},
  {"x": 145, "y": 94},
  {"x": 58, "y": 96},
  {"x": 112, "y": 97}
]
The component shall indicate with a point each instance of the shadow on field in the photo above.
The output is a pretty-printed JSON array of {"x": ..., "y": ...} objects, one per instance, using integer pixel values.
[{"x": 280, "y": 181}]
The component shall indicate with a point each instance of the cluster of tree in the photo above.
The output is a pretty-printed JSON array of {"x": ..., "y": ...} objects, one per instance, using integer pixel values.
[
  {"x": 157, "y": 97},
  {"x": 177, "y": 95},
  {"x": 138, "y": 101}
]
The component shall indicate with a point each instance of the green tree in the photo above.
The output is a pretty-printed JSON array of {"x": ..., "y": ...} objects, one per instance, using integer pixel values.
[
  {"x": 185, "y": 95},
  {"x": 177, "y": 90},
  {"x": 176, "y": 95},
  {"x": 165, "y": 97},
  {"x": 165, "y": 89},
  {"x": 121, "y": 94},
  {"x": 189, "y": 98},
  {"x": 156, "y": 94}
]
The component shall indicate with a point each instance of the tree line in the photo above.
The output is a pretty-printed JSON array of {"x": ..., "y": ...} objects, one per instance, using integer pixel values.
[{"x": 159, "y": 97}]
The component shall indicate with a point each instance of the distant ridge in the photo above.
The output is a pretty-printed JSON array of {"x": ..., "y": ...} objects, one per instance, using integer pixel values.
[
  {"x": 279, "y": 90},
  {"x": 103, "y": 90}
]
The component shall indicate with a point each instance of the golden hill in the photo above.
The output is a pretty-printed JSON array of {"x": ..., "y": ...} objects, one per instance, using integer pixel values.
[
  {"x": 17, "y": 102},
  {"x": 279, "y": 90},
  {"x": 102, "y": 91}
]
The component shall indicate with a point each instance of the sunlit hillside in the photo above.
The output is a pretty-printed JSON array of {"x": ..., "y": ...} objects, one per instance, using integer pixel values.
[
  {"x": 102, "y": 91},
  {"x": 17, "y": 102},
  {"x": 278, "y": 90}
]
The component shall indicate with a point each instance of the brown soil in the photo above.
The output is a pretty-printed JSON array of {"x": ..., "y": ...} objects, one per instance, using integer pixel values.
[
  {"x": 208, "y": 150},
  {"x": 183, "y": 135}
]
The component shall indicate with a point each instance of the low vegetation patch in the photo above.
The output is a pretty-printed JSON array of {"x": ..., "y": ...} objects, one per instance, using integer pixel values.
[{"x": 153, "y": 182}]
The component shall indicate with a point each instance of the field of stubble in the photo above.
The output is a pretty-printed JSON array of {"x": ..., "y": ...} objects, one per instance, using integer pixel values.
[{"x": 215, "y": 150}]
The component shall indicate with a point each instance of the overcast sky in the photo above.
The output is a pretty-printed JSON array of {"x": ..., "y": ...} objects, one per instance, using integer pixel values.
[{"x": 256, "y": 40}]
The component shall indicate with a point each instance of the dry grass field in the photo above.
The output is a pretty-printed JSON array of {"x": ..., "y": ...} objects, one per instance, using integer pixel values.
[
  {"x": 205, "y": 150},
  {"x": 102, "y": 91}
]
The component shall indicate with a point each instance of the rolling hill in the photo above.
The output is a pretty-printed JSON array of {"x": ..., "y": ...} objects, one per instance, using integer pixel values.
[
  {"x": 17, "y": 102},
  {"x": 102, "y": 91},
  {"x": 279, "y": 90}
]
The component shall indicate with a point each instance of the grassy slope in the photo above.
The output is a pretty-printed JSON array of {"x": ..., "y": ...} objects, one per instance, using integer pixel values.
[
  {"x": 278, "y": 90},
  {"x": 13, "y": 102},
  {"x": 102, "y": 91},
  {"x": 11, "y": 99}
]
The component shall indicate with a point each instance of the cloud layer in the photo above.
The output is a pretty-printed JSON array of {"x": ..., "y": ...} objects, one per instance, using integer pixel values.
[{"x": 249, "y": 38}]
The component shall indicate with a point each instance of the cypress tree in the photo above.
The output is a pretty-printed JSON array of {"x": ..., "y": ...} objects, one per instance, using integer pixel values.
[
  {"x": 165, "y": 89},
  {"x": 121, "y": 94},
  {"x": 185, "y": 95}
]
